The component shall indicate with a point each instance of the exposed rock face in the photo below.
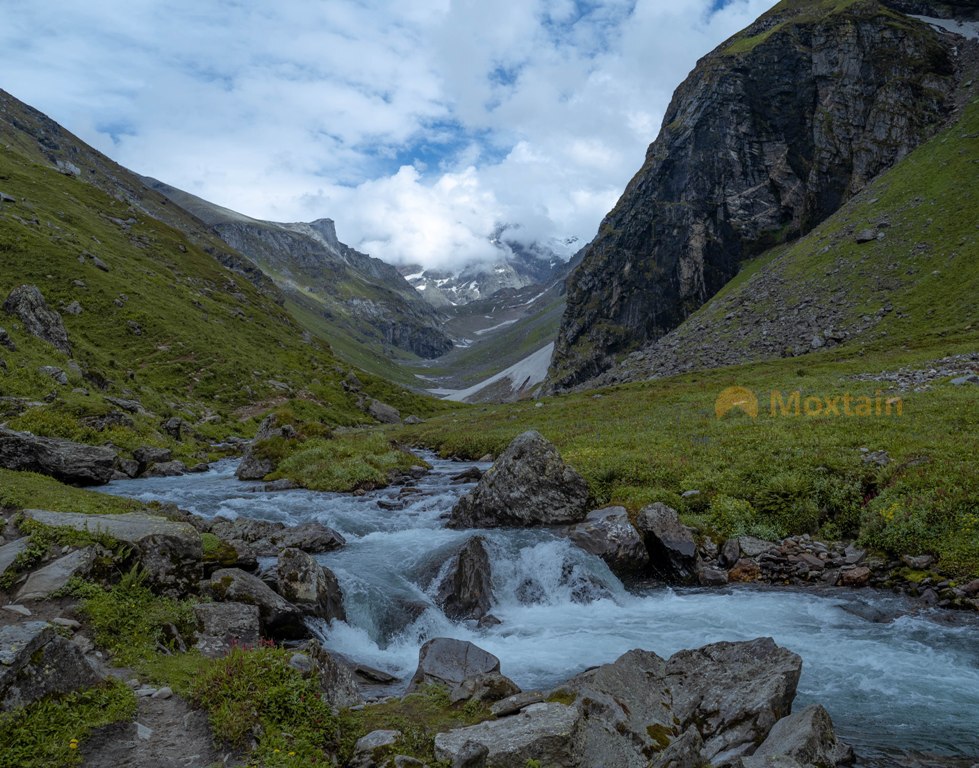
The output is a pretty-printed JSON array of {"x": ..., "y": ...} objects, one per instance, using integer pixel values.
[
  {"x": 28, "y": 305},
  {"x": 170, "y": 552},
  {"x": 736, "y": 692},
  {"x": 221, "y": 626},
  {"x": 769, "y": 135},
  {"x": 609, "y": 534},
  {"x": 279, "y": 617},
  {"x": 36, "y": 662},
  {"x": 467, "y": 590},
  {"x": 671, "y": 546},
  {"x": 528, "y": 485},
  {"x": 807, "y": 736},
  {"x": 308, "y": 585},
  {"x": 62, "y": 459},
  {"x": 542, "y": 732}
]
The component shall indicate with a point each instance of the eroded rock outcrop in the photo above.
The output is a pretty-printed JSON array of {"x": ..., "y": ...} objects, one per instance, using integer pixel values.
[
  {"x": 528, "y": 485},
  {"x": 27, "y": 304},
  {"x": 770, "y": 134},
  {"x": 61, "y": 459}
]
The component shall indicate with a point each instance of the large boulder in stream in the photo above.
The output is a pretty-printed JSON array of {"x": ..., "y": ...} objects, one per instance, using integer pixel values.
[
  {"x": 609, "y": 534},
  {"x": 308, "y": 585},
  {"x": 63, "y": 460},
  {"x": 528, "y": 485},
  {"x": 465, "y": 669},
  {"x": 278, "y": 617},
  {"x": 466, "y": 592},
  {"x": 671, "y": 546}
]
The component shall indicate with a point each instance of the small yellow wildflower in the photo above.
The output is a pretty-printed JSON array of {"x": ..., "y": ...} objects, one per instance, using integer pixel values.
[{"x": 73, "y": 744}]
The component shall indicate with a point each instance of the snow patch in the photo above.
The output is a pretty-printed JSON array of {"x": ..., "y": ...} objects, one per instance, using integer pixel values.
[
  {"x": 967, "y": 29},
  {"x": 521, "y": 375}
]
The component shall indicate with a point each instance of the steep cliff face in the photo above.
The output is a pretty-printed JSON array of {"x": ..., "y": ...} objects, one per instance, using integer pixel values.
[
  {"x": 770, "y": 134},
  {"x": 363, "y": 295}
]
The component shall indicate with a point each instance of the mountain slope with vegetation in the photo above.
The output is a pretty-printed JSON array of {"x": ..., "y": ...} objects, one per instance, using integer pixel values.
[{"x": 769, "y": 135}]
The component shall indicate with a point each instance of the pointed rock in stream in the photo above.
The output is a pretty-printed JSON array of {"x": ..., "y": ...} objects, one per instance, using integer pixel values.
[
  {"x": 528, "y": 485},
  {"x": 671, "y": 546},
  {"x": 308, "y": 585},
  {"x": 467, "y": 590}
]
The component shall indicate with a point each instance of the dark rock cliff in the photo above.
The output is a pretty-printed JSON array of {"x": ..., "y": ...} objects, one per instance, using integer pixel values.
[{"x": 770, "y": 134}]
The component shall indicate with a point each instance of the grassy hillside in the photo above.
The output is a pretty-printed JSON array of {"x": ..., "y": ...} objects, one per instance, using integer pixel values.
[
  {"x": 160, "y": 321},
  {"x": 776, "y": 474}
]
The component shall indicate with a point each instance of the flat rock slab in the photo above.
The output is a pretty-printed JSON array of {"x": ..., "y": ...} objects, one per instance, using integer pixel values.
[
  {"x": 54, "y": 576},
  {"x": 542, "y": 732},
  {"x": 130, "y": 527},
  {"x": 451, "y": 662},
  {"x": 9, "y": 552}
]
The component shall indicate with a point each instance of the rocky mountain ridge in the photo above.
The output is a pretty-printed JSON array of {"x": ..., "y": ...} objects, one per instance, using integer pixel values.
[
  {"x": 363, "y": 294},
  {"x": 770, "y": 134}
]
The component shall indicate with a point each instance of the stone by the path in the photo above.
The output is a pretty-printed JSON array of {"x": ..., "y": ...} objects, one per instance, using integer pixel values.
[
  {"x": 807, "y": 736},
  {"x": 222, "y": 626},
  {"x": 467, "y": 590},
  {"x": 10, "y": 551},
  {"x": 528, "y": 485},
  {"x": 27, "y": 304},
  {"x": 671, "y": 547},
  {"x": 170, "y": 552},
  {"x": 18, "y": 610},
  {"x": 36, "y": 661},
  {"x": 61, "y": 459},
  {"x": 54, "y": 576},
  {"x": 545, "y": 732},
  {"x": 610, "y": 534},
  {"x": 279, "y": 618},
  {"x": 309, "y": 586}
]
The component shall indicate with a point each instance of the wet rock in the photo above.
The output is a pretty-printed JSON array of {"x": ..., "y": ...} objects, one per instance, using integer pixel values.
[
  {"x": 808, "y": 737},
  {"x": 149, "y": 455},
  {"x": 855, "y": 577},
  {"x": 61, "y": 459},
  {"x": 166, "y": 469},
  {"x": 268, "y": 538},
  {"x": 467, "y": 590},
  {"x": 712, "y": 577},
  {"x": 35, "y": 662},
  {"x": 448, "y": 662},
  {"x": 730, "y": 553},
  {"x": 471, "y": 475},
  {"x": 384, "y": 413},
  {"x": 54, "y": 576},
  {"x": 222, "y": 626},
  {"x": 27, "y": 304},
  {"x": 542, "y": 732},
  {"x": 528, "y": 485},
  {"x": 609, "y": 534},
  {"x": 734, "y": 692},
  {"x": 279, "y": 618},
  {"x": 309, "y": 586},
  {"x": 671, "y": 547},
  {"x": 337, "y": 682}
]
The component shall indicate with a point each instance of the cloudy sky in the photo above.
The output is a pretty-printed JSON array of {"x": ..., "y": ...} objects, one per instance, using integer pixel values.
[{"x": 418, "y": 126}]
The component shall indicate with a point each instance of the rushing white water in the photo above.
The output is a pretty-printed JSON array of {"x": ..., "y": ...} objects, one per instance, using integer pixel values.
[{"x": 907, "y": 686}]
